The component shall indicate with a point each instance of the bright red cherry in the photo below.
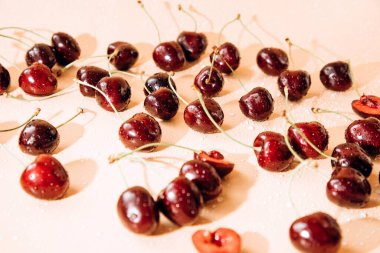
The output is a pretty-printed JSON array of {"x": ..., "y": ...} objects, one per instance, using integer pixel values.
[
  {"x": 41, "y": 53},
  {"x": 193, "y": 44},
  {"x": 209, "y": 86},
  {"x": 5, "y": 79},
  {"x": 125, "y": 57},
  {"x": 38, "y": 80},
  {"x": 336, "y": 76},
  {"x": 367, "y": 106},
  {"x": 297, "y": 81},
  {"x": 227, "y": 58},
  {"x": 169, "y": 56},
  {"x": 272, "y": 61},
  {"x": 222, "y": 240},
  {"x": 117, "y": 90},
  {"x": 257, "y": 104},
  {"x": 90, "y": 75},
  {"x": 66, "y": 48}
]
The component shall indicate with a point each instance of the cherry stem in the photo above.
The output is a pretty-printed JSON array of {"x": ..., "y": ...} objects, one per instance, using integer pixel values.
[
  {"x": 25, "y": 30},
  {"x": 170, "y": 78},
  {"x": 225, "y": 26},
  {"x": 57, "y": 94},
  {"x": 65, "y": 68},
  {"x": 135, "y": 75},
  {"x": 36, "y": 112},
  {"x": 190, "y": 16},
  {"x": 320, "y": 110},
  {"x": 122, "y": 175},
  {"x": 18, "y": 40},
  {"x": 13, "y": 155},
  {"x": 80, "y": 111},
  {"x": 151, "y": 19},
  {"x": 249, "y": 31},
  {"x": 113, "y": 158},
  {"x": 290, "y": 43},
  {"x": 212, "y": 67},
  {"x": 13, "y": 64}
]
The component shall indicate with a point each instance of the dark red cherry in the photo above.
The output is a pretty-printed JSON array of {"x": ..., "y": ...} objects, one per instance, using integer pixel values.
[
  {"x": 336, "y": 76},
  {"x": 367, "y": 106},
  {"x": 297, "y": 81},
  {"x": 204, "y": 176},
  {"x": 348, "y": 188},
  {"x": 125, "y": 57},
  {"x": 139, "y": 130},
  {"x": 216, "y": 160},
  {"x": 274, "y": 154},
  {"x": 257, "y": 104},
  {"x": 41, "y": 53},
  {"x": 138, "y": 211},
  {"x": 90, "y": 75},
  {"x": 209, "y": 86},
  {"x": 315, "y": 132},
  {"x": 66, "y": 48},
  {"x": 193, "y": 44},
  {"x": 227, "y": 58},
  {"x": 316, "y": 233},
  {"x": 5, "y": 79},
  {"x": 118, "y": 91},
  {"x": 181, "y": 201},
  {"x": 157, "y": 81},
  {"x": 162, "y": 103},
  {"x": 272, "y": 61},
  {"x": 352, "y": 155},
  {"x": 38, "y": 80},
  {"x": 196, "y": 118},
  {"x": 169, "y": 56},
  {"x": 365, "y": 133},
  {"x": 222, "y": 240},
  {"x": 45, "y": 178}
]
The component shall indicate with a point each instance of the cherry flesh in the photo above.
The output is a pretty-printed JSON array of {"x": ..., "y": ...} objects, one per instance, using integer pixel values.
[
  {"x": 297, "y": 81},
  {"x": 257, "y": 104},
  {"x": 209, "y": 86},
  {"x": 138, "y": 211},
  {"x": 5, "y": 79},
  {"x": 272, "y": 61},
  {"x": 38, "y": 80},
  {"x": 193, "y": 44},
  {"x": 41, "y": 53},
  {"x": 227, "y": 58},
  {"x": 222, "y": 240},
  {"x": 157, "y": 81},
  {"x": 139, "y": 130},
  {"x": 162, "y": 103},
  {"x": 90, "y": 75},
  {"x": 216, "y": 160},
  {"x": 367, "y": 106},
  {"x": 169, "y": 56},
  {"x": 336, "y": 76},
  {"x": 66, "y": 48},
  {"x": 45, "y": 178},
  {"x": 125, "y": 57},
  {"x": 117, "y": 90}
]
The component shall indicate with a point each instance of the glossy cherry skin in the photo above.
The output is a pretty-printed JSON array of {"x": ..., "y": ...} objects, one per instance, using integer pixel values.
[
  {"x": 315, "y": 132},
  {"x": 228, "y": 58},
  {"x": 38, "y": 80},
  {"x": 125, "y": 57},
  {"x": 162, "y": 103},
  {"x": 196, "y": 118},
  {"x": 365, "y": 133},
  {"x": 204, "y": 176},
  {"x": 181, "y": 201},
  {"x": 38, "y": 137},
  {"x": 157, "y": 81},
  {"x": 257, "y": 104},
  {"x": 193, "y": 44},
  {"x": 274, "y": 154},
  {"x": 90, "y": 75},
  {"x": 139, "y": 130},
  {"x": 169, "y": 56},
  {"x": 41, "y": 53},
  {"x": 336, "y": 76},
  {"x": 5, "y": 79},
  {"x": 352, "y": 155},
  {"x": 367, "y": 106},
  {"x": 316, "y": 233},
  {"x": 45, "y": 178},
  {"x": 66, "y": 48},
  {"x": 118, "y": 91},
  {"x": 222, "y": 240},
  {"x": 297, "y": 81},
  {"x": 209, "y": 86},
  {"x": 216, "y": 160},
  {"x": 138, "y": 211},
  {"x": 272, "y": 61},
  {"x": 348, "y": 188}
]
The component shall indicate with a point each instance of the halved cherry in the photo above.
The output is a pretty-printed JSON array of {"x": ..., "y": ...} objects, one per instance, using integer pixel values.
[
  {"x": 367, "y": 106},
  {"x": 222, "y": 240},
  {"x": 216, "y": 159}
]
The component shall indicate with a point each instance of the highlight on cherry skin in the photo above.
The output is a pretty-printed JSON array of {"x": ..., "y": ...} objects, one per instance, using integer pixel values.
[
  {"x": 38, "y": 80},
  {"x": 66, "y": 48}
]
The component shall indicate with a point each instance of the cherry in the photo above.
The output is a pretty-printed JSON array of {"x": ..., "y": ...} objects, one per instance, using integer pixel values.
[
  {"x": 66, "y": 48},
  {"x": 257, "y": 104},
  {"x": 317, "y": 233},
  {"x": 38, "y": 80},
  {"x": 45, "y": 178},
  {"x": 297, "y": 82},
  {"x": 169, "y": 56},
  {"x": 125, "y": 56},
  {"x": 193, "y": 44},
  {"x": 272, "y": 61},
  {"x": 196, "y": 118},
  {"x": 216, "y": 160},
  {"x": 181, "y": 201},
  {"x": 138, "y": 211},
  {"x": 117, "y": 90},
  {"x": 227, "y": 58},
  {"x": 204, "y": 176},
  {"x": 352, "y": 155},
  {"x": 209, "y": 81},
  {"x": 272, "y": 152},
  {"x": 162, "y": 103},
  {"x": 139, "y": 130},
  {"x": 365, "y": 133},
  {"x": 336, "y": 76},
  {"x": 315, "y": 132},
  {"x": 90, "y": 75},
  {"x": 5, "y": 79},
  {"x": 367, "y": 106},
  {"x": 157, "y": 81},
  {"x": 348, "y": 188},
  {"x": 41, "y": 53},
  {"x": 222, "y": 240}
]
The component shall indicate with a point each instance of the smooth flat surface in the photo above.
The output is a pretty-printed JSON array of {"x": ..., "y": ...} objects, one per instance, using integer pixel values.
[{"x": 254, "y": 202}]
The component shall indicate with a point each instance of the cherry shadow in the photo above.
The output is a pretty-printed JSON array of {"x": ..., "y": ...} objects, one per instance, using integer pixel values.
[
  {"x": 81, "y": 172},
  {"x": 14, "y": 74},
  {"x": 365, "y": 73},
  {"x": 87, "y": 43},
  {"x": 169, "y": 9},
  {"x": 5, "y": 136},
  {"x": 276, "y": 39},
  {"x": 204, "y": 16},
  {"x": 145, "y": 53},
  {"x": 318, "y": 45},
  {"x": 254, "y": 242},
  {"x": 70, "y": 134}
]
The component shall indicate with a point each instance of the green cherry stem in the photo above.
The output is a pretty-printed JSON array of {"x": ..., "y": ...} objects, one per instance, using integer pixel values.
[
  {"x": 15, "y": 39},
  {"x": 320, "y": 110},
  {"x": 140, "y": 76},
  {"x": 80, "y": 111},
  {"x": 190, "y": 16},
  {"x": 68, "y": 66},
  {"x": 65, "y": 91},
  {"x": 290, "y": 43},
  {"x": 151, "y": 19},
  {"x": 225, "y": 26},
  {"x": 25, "y": 30},
  {"x": 171, "y": 74},
  {"x": 36, "y": 112},
  {"x": 249, "y": 31}
]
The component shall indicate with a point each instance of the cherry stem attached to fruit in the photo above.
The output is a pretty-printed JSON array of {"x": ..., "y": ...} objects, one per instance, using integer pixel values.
[
  {"x": 225, "y": 26},
  {"x": 65, "y": 68},
  {"x": 25, "y": 30},
  {"x": 212, "y": 65},
  {"x": 36, "y": 112},
  {"x": 171, "y": 74},
  {"x": 320, "y": 110},
  {"x": 290, "y": 43},
  {"x": 135, "y": 75},
  {"x": 151, "y": 19},
  {"x": 80, "y": 111},
  {"x": 13, "y": 64},
  {"x": 64, "y": 91},
  {"x": 18, "y": 40},
  {"x": 190, "y": 16},
  {"x": 249, "y": 31}
]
